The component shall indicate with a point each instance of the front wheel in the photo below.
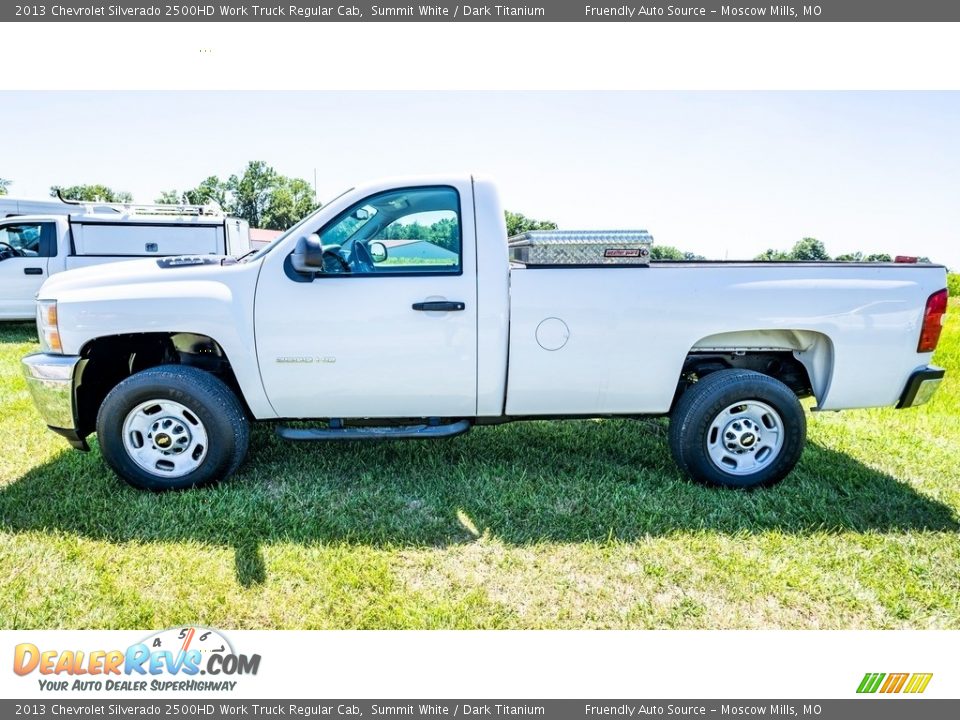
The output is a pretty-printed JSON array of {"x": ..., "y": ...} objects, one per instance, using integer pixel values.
[
  {"x": 172, "y": 427},
  {"x": 738, "y": 428}
]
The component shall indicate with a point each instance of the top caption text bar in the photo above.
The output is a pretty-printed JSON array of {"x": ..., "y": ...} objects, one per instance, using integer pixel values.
[{"x": 447, "y": 11}]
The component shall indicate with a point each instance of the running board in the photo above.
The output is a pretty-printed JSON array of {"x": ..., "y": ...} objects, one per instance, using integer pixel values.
[{"x": 396, "y": 432}]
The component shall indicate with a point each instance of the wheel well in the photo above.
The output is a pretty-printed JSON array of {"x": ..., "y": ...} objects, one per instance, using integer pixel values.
[
  {"x": 109, "y": 360},
  {"x": 779, "y": 364},
  {"x": 802, "y": 359}
]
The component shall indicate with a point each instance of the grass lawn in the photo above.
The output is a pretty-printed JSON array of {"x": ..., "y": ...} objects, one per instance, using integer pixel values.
[{"x": 536, "y": 525}]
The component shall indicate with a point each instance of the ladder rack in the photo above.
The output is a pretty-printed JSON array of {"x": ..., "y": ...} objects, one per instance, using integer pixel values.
[{"x": 162, "y": 209}]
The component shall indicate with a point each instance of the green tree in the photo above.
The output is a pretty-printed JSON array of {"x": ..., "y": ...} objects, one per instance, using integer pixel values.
[
  {"x": 809, "y": 250},
  {"x": 806, "y": 250},
  {"x": 445, "y": 233},
  {"x": 91, "y": 193},
  {"x": 290, "y": 200},
  {"x": 518, "y": 224},
  {"x": 4, "y": 184},
  {"x": 953, "y": 284},
  {"x": 770, "y": 254},
  {"x": 812, "y": 250},
  {"x": 666, "y": 252},
  {"x": 260, "y": 195},
  {"x": 212, "y": 191},
  {"x": 850, "y": 257},
  {"x": 860, "y": 257},
  {"x": 169, "y": 197},
  {"x": 250, "y": 192},
  {"x": 263, "y": 197}
]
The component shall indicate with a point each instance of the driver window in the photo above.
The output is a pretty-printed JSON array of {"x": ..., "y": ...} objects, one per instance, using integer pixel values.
[
  {"x": 26, "y": 240},
  {"x": 401, "y": 231}
]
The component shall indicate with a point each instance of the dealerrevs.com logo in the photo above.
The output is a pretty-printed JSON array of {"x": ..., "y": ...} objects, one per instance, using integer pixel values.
[{"x": 179, "y": 659}]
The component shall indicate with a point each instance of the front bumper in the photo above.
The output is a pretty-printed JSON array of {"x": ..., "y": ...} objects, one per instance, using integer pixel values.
[
  {"x": 921, "y": 386},
  {"x": 50, "y": 379}
]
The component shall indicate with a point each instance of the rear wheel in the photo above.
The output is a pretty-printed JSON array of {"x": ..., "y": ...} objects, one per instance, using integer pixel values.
[
  {"x": 172, "y": 427},
  {"x": 738, "y": 428}
]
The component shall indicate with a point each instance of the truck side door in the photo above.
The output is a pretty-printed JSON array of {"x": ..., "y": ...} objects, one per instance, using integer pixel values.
[
  {"x": 26, "y": 247},
  {"x": 389, "y": 328}
]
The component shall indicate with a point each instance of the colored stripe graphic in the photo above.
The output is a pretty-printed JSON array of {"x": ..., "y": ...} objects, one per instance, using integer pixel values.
[
  {"x": 870, "y": 682},
  {"x": 894, "y": 683},
  {"x": 918, "y": 683}
]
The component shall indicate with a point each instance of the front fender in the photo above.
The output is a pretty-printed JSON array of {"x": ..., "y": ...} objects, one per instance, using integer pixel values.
[{"x": 220, "y": 307}]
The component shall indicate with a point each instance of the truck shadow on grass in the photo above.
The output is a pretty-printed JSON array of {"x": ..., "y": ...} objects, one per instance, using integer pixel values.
[{"x": 577, "y": 481}]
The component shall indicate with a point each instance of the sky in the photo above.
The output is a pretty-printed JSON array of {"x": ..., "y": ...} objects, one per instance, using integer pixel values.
[{"x": 722, "y": 174}]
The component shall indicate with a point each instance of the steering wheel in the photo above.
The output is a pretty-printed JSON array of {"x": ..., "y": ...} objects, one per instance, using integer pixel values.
[
  {"x": 338, "y": 264},
  {"x": 8, "y": 250},
  {"x": 363, "y": 258}
]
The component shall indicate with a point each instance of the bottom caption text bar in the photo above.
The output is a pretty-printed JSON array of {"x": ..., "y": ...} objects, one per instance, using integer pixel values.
[{"x": 874, "y": 708}]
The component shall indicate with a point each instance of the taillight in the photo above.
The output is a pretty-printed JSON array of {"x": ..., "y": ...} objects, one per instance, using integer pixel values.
[{"x": 932, "y": 321}]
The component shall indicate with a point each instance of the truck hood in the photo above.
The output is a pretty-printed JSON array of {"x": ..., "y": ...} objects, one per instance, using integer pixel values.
[
  {"x": 167, "y": 295},
  {"x": 139, "y": 273}
]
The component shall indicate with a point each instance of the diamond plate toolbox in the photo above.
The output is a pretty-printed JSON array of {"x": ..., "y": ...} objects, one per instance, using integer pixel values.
[{"x": 581, "y": 247}]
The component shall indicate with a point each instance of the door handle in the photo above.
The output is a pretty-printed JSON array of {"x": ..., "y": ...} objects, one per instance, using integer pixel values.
[
  {"x": 439, "y": 306},
  {"x": 33, "y": 271}
]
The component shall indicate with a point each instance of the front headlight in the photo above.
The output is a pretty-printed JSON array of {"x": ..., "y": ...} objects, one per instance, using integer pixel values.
[{"x": 47, "y": 327}]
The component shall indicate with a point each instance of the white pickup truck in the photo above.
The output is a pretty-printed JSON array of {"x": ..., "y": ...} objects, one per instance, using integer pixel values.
[
  {"x": 395, "y": 312},
  {"x": 34, "y": 247}
]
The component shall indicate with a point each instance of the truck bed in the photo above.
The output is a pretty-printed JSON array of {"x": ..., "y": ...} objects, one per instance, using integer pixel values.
[{"x": 629, "y": 329}]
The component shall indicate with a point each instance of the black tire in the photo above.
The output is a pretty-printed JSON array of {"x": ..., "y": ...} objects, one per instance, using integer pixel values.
[
  {"x": 209, "y": 401},
  {"x": 691, "y": 436}
]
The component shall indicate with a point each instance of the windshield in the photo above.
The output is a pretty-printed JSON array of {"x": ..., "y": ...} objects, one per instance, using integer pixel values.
[
  {"x": 348, "y": 226},
  {"x": 250, "y": 257}
]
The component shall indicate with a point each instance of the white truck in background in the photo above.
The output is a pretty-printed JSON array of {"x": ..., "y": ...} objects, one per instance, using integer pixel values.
[
  {"x": 34, "y": 247},
  {"x": 397, "y": 311}
]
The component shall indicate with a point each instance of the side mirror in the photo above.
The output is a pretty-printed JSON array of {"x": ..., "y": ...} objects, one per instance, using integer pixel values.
[
  {"x": 378, "y": 252},
  {"x": 307, "y": 257}
]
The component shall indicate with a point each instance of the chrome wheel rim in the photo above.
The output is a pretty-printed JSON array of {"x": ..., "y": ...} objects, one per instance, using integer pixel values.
[
  {"x": 165, "y": 438},
  {"x": 745, "y": 437}
]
